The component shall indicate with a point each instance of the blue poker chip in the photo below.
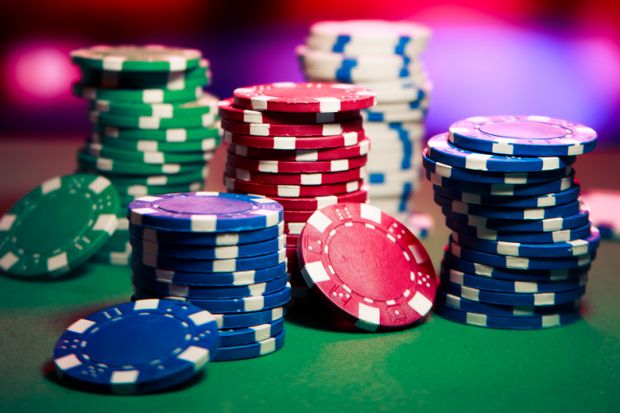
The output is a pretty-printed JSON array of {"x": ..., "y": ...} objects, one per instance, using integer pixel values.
[
  {"x": 208, "y": 279},
  {"x": 509, "y": 178},
  {"x": 523, "y": 136},
  {"x": 552, "y": 237},
  {"x": 538, "y": 201},
  {"x": 503, "y": 298},
  {"x": 413, "y": 113},
  {"x": 258, "y": 349},
  {"x": 196, "y": 292},
  {"x": 519, "y": 263},
  {"x": 498, "y": 212},
  {"x": 441, "y": 150},
  {"x": 499, "y": 190},
  {"x": 205, "y": 212},
  {"x": 514, "y": 287},
  {"x": 229, "y": 265},
  {"x": 211, "y": 253},
  {"x": 249, "y": 335},
  {"x": 242, "y": 320},
  {"x": 463, "y": 304},
  {"x": 509, "y": 322},
  {"x": 542, "y": 225},
  {"x": 489, "y": 271},
  {"x": 206, "y": 239},
  {"x": 137, "y": 347},
  {"x": 559, "y": 249},
  {"x": 235, "y": 305}
]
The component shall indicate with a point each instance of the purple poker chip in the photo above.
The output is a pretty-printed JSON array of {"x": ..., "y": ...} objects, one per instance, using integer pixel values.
[
  {"x": 523, "y": 136},
  {"x": 205, "y": 212}
]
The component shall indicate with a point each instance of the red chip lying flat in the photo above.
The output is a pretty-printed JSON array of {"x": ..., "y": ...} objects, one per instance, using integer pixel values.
[
  {"x": 368, "y": 265},
  {"x": 277, "y": 129},
  {"x": 304, "y": 97}
]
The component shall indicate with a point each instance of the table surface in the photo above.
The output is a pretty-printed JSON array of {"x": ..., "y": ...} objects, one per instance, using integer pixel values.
[{"x": 436, "y": 366}]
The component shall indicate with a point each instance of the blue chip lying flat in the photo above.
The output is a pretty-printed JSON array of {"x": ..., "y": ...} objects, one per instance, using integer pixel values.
[
  {"x": 523, "y": 136},
  {"x": 209, "y": 279},
  {"x": 441, "y": 150},
  {"x": 513, "y": 323},
  {"x": 205, "y": 212},
  {"x": 260, "y": 348},
  {"x": 137, "y": 347},
  {"x": 502, "y": 298},
  {"x": 519, "y": 263},
  {"x": 206, "y": 239},
  {"x": 194, "y": 292},
  {"x": 506, "y": 286},
  {"x": 241, "y": 320},
  {"x": 537, "y": 201},
  {"x": 235, "y": 305},
  {"x": 489, "y": 271},
  {"x": 560, "y": 249},
  {"x": 249, "y": 335}
]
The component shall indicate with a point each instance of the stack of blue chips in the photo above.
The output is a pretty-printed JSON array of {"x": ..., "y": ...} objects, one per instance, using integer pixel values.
[
  {"x": 221, "y": 252},
  {"x": 522, "y": 242}
]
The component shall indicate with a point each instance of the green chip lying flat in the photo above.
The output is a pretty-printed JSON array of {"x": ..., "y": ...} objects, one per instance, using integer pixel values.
[
  {"x": 58, "y": 226},
  {"x": 163, "y": 135},
  {"x": 137, "y": 58},
  {"x": 191, "y": 92},
  {"x": 206, "y": 104},
  {"x": 205, "y": 145}
]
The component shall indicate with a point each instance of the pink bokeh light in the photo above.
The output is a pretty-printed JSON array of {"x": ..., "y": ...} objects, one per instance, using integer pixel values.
[{"x": 40, "y": 74}]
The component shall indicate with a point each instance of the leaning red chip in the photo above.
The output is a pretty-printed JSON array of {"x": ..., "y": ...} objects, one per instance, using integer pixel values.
[
  {"x": 367, "y": 264},
  {"x": 304, "y": 97}
]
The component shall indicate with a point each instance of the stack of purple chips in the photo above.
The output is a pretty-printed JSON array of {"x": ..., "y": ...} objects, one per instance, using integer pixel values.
[{"x": 221, "y": 252}]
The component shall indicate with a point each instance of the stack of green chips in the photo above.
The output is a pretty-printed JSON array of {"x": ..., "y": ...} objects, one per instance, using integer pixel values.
[{"x": 154, "y": 128}]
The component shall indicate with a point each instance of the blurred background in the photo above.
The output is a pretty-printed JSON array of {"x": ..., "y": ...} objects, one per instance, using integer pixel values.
[{"x": 558, "y": 58}]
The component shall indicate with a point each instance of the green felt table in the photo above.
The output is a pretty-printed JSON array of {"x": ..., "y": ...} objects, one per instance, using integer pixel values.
[{"x": 437, "y": 366}]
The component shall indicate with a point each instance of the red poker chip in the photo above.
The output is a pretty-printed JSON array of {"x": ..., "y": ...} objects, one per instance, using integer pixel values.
[
  {"x": 305, "y": 155},
  {"x": 293, "y": 228},
  {"x": 231, "y": 112},
  {"x": 275, "y": 166},
  {"x": 296, "y": 179},
  {"x": 292, "y": 240},
  {"x": 291, "y": 253},
  {"x": 297, "y": 216},
  {"x": 304, "y": 97},
  {"x": 291, "y": 191},
  {"x": 314, "y": 203},
  {"x": 291, "y": 143},
  {"x": 274, "y": 129},
  {"x": 368, "y": 265}
]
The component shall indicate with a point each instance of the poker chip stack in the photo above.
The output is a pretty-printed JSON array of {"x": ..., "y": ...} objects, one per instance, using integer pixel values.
[
  {"x": 154, "y": 129},
  {"x": 223, "y": 253},
  {"x": 301, "y": 144},
  {"x": 522, "y": 242},
  {"x": 385, "y": 57}
]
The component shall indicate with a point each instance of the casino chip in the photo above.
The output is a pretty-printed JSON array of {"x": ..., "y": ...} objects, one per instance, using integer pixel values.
[
  {"x": 522, "y": 242},
  {"x": 137, "y": 347},
  {"x": 393, "y": 286},
  {"x": 385, "y": 57},
  {"x": 318, "y": 157},
  {"x": 77, "y": 213},
  {"x": 154, "y": 128},
  {"x": 224, "y": 253}
]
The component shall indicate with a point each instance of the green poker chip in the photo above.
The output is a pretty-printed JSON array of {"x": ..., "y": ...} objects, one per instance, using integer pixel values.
[
  {"x": 58, "y": 226},
  {"x": 205, "y": 145},
  {"x": 115, "y": 167},
  {"x": 162, "y": 135},
  {"x": 146, "y": 122},
  {"x": 206, "y": 104},
  {"x": 146, "y": 80},
  {"x": 132, "y": 58},
  {"x": 191, "y": 92},
  {"x": 101, "y": 151},
  {"x": 144, "y": 190},
  {"x": 199, "y": 174}
]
